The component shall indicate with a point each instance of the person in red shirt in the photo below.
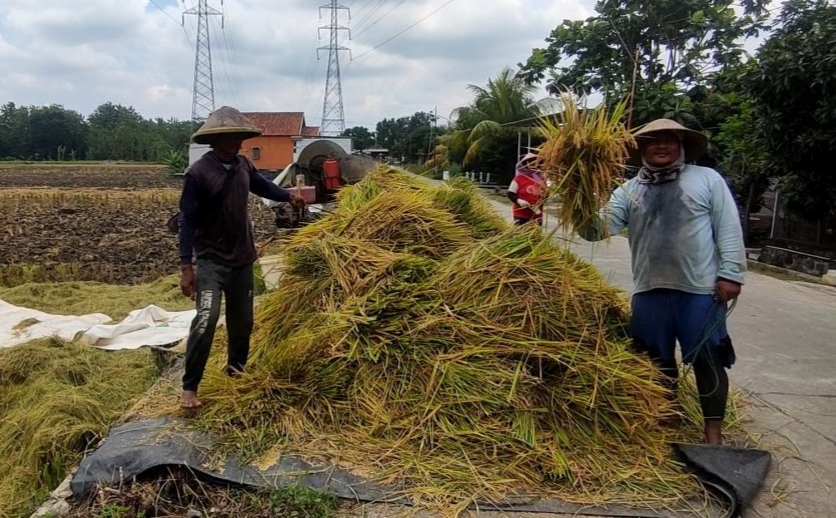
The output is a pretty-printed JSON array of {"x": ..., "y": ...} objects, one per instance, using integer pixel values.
[{"x": 527, "y": 192}]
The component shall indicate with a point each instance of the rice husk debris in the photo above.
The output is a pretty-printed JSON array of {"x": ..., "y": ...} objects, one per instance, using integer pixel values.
[{"x": 420, "y": 341}]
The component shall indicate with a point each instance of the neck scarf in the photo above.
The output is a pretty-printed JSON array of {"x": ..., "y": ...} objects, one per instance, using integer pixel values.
[{"x": 653, "y": 175}]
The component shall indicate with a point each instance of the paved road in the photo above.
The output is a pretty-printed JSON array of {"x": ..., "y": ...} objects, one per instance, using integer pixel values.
[{"x": 784, "y": 335}]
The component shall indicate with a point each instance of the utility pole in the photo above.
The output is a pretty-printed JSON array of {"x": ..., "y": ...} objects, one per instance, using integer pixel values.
[
  {"x": 333, "y": 114},
  {"x": 432, "y": 131},
  {"x": 203, "y": 92}
]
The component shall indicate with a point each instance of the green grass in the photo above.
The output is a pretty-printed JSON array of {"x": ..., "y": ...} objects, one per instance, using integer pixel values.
[
  {"x": 119, "y": 511},
  {"x": 259, "y": 288},
  {"x": 179, "y": 493},
  {"x": 302, "y": 502},
  {"x": 79, "y": 298}
]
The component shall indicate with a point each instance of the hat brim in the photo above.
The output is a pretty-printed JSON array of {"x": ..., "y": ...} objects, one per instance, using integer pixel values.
[
  {"x": 210, "y": 135},
  {"x": 694, "y": 142}
]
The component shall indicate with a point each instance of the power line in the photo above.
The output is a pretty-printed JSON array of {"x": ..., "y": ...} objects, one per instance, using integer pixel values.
[
  {"x": 175, "y": 20},
  {"x": 370, "y": 14},
  {"x": 405, "y": 29},
  {"x": 387, "y": 13},
  {"x": 363, "y": 8},
  {"x": 232, "y": 57},
  {"x": 155, "y": 4},
  {"x": 228, "y": 67}
]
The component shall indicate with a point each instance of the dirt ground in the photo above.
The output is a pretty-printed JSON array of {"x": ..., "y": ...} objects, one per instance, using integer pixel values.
[
  {"x": 86, "y": 176},
  {"x": 106, "y": 224}
]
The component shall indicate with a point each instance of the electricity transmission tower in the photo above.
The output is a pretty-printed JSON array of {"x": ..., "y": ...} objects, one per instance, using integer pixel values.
[
  {"x": 203, "y": 92},
  {"x": 333, "y": 115}
]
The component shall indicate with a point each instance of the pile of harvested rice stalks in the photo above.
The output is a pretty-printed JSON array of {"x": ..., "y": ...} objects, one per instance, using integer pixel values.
[
  {"x": 423, "y": 343},
  {"x": 583, "y": 157}
]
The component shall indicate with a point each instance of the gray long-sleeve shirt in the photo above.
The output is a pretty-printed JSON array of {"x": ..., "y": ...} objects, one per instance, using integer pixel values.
[{"x": 684, "y": 234}]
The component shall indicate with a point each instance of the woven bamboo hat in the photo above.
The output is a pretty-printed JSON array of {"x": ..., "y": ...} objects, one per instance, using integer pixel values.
[
  {"x": 694, "y": 142},
  {"x": 225, "y": 121},
  {"x": 526, "y": 159}
]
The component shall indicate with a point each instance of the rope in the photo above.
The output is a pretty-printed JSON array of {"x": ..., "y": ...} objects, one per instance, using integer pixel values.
[{"x": 706, "y": 333}]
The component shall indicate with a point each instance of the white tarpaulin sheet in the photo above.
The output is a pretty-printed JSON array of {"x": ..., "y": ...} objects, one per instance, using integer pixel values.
[{"x": 142, "y": 327}]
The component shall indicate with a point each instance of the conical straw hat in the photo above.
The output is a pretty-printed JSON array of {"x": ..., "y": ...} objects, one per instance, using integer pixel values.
[
  {"x": 225, "y": 120},
  {"x": 694, "y": 142},
  {"x": 528, "y": 157}
]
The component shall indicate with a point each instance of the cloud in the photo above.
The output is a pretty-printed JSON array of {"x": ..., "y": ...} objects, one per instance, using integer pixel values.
[{"x": 82, "y": 54}]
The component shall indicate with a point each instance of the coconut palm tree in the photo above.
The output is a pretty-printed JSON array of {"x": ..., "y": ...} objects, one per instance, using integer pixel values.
[{"x": 481, "y": 128}]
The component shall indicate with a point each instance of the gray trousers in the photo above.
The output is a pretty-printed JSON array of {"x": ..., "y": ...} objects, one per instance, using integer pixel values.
[{"x": 213, "y": 281}]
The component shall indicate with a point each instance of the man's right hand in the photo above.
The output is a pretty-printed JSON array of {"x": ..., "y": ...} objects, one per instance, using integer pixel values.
[
  {"x": 187, "y": 281},
  {"x": 297, "y": 201},
  {"x": 522, "y": 203}
]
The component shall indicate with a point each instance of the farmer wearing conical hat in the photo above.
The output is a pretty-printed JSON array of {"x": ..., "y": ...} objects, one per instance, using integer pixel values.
[
  {"x": 688, "y": 260},
  {"x": 216, "y": 237},
  {"x": 527, "y": 191}
]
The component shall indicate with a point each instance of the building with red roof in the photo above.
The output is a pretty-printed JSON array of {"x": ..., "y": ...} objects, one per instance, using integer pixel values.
[{"x": 274, "y": 149}]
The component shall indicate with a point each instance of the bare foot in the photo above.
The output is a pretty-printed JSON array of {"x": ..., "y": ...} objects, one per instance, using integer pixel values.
[
  {"x": 714, "y": 432},
  {"x": 188, "y": 400}
]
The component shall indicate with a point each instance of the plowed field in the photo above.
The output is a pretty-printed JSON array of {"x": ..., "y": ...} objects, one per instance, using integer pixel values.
[
  {"x": 103, "y": 224},
  {"x": 96, "y": 177}
]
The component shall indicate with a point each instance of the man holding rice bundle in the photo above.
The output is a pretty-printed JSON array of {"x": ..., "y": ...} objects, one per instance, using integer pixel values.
[
  {"x": 688, "y": 260},
  {"x": 527, "y": 191},
  {"x": 214, "y": 227}
]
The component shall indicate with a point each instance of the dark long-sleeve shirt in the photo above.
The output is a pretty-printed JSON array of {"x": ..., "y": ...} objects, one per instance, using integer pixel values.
[{"x": 214, "y": 210}]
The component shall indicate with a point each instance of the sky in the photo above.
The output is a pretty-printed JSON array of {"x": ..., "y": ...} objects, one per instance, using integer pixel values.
[{"x": 83, "y": 53}]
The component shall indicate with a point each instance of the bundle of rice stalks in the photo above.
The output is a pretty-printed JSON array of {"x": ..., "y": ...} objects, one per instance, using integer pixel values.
[
  {"x": 459, "y": 196},
  {"x": 383, "y": 179},
  {"x": 479, "y": 369},
  {"x": 57, "y": 400},
  {"x": 584, "y": 155}
]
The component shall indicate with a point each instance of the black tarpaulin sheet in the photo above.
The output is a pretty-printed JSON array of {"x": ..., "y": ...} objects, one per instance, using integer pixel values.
[{"x": 134, "y": 448}]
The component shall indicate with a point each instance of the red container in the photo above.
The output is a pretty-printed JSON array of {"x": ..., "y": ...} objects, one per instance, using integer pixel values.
[
  {"x": 331, "y": 174},
  {"x": 306, "y": 191}
]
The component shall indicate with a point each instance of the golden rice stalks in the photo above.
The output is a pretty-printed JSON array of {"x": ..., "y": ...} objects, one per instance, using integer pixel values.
[
  {"x": 584, "y": 155},
  {"x": 57, "y": 400},
  {"x": 409, "y": 347}
]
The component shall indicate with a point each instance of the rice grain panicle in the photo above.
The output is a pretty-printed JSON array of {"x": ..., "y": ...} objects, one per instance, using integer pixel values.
[{"x": 583, "y": 158}]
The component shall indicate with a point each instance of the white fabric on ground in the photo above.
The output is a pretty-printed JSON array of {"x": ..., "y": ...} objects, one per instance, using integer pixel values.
[{"x": 150, "y": 326}]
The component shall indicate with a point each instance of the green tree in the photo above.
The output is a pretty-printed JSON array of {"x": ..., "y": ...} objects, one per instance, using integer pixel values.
[
  {"x": 14, "y": 132},
  {"x": 793, "y": 90},
  {"x": 115, "y": 133},
  {"x": 483, "y": 134},
  {"x": 407, "y": 138},
  {"x": 667, "y": 49},
  {"x": 743, "y": 160},
  {"x": 361, "y": 137},
  {"x": 112, "y": 132},
  {"x": 55, "y": 132}
]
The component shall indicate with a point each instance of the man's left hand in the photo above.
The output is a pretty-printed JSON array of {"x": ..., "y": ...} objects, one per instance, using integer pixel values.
[
  {"x": 725, "y": 291},
  {"x": 297, "y": 201}
]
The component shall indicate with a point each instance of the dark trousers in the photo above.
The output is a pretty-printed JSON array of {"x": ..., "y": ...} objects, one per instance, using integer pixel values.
[
  {"x": 662, "y": 317},
  {"x": 213, "y": 281},
  {"x": 523, "y": 221}
]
